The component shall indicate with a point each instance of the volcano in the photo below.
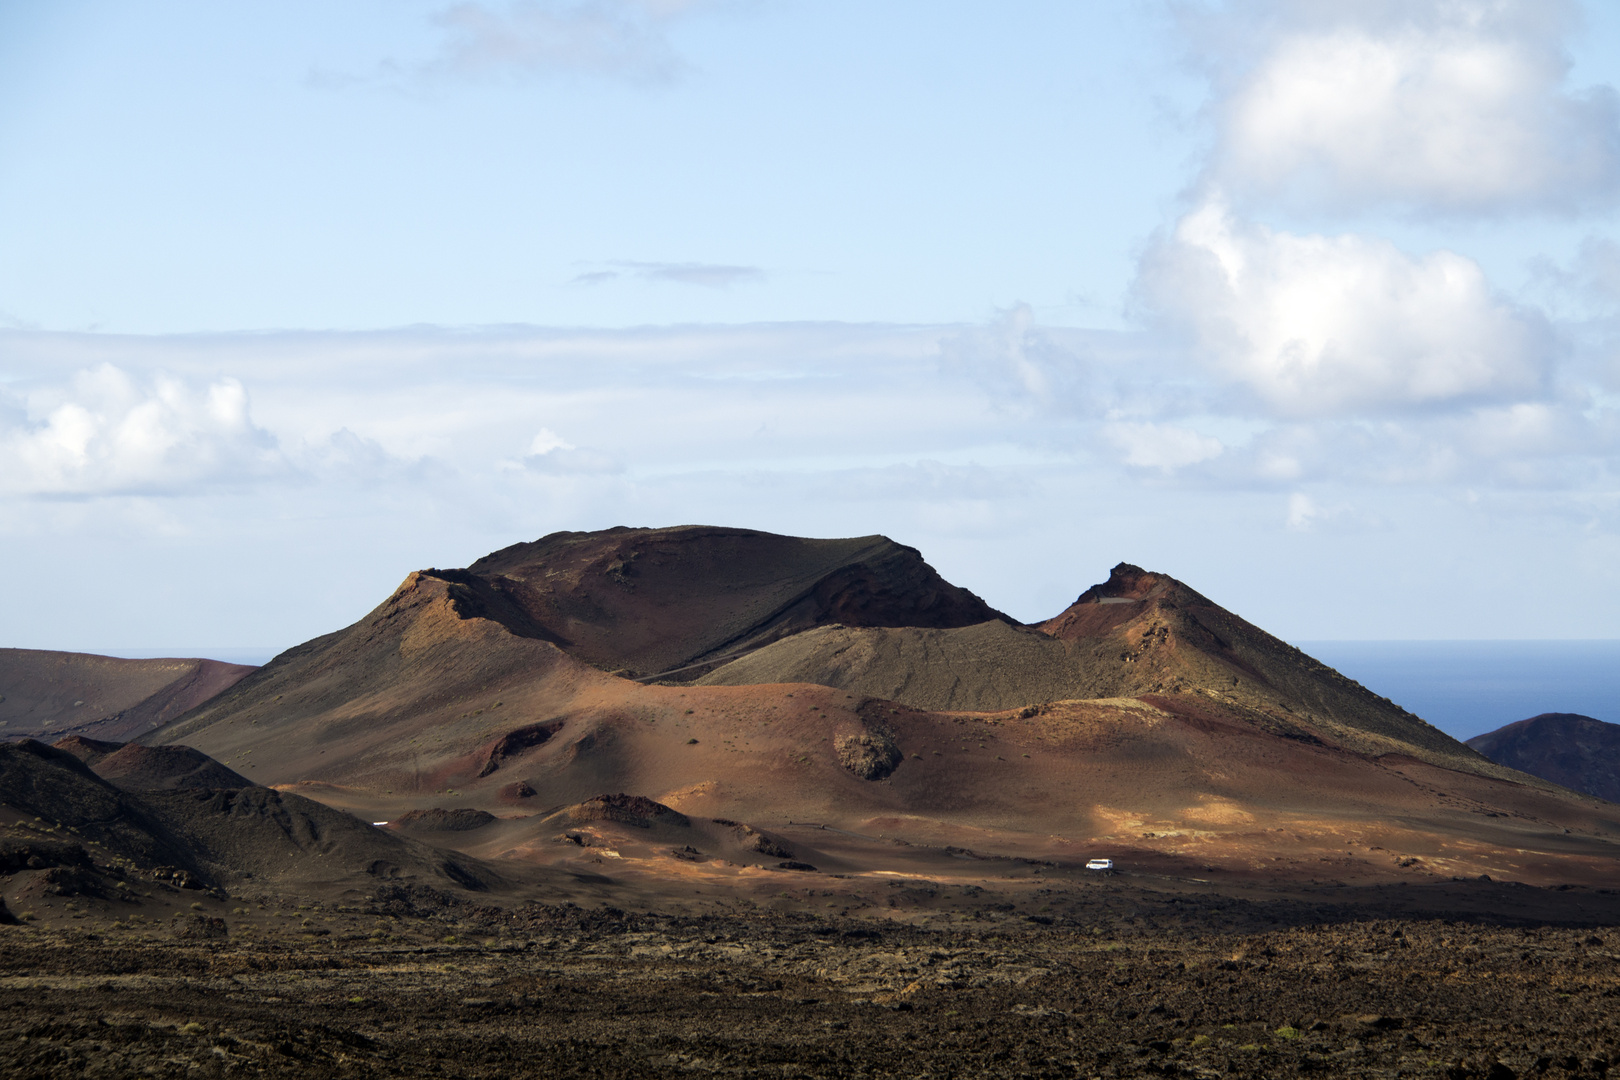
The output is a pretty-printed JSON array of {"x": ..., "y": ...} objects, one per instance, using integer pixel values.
[{"x": 769, "y": 682}]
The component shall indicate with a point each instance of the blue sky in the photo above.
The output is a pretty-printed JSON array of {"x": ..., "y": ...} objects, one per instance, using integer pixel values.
[{"x": 1312, "y": 305}]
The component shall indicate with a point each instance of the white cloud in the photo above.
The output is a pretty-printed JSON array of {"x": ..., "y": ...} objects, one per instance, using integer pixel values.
[
  {"x": 546, "y": 440},
  {"x": 108, "y": 433},
  {"x": 1302, "y": 511},
  {"x": 552, "y": 455},
  {"x": 343, "y": 456},
  {"x": 1317, "y": 325},
  {"x": 708, "y": 275},
  {"x": 1450, "y": 105},
  {"x": 1165, "y": 447},
  {"x": 1011, "y": 355},
  {"x": 619, "y": 38}
]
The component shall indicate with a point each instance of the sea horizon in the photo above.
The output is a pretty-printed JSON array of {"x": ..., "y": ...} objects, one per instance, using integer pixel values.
[{"x": 1468, "y": 687}]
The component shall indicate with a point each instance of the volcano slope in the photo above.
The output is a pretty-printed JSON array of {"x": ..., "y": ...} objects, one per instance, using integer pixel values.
[
  {"x": 1138, "y": 633},
  {"x": 44, "y": 693},
  {"x": 1161, "y": 730}
]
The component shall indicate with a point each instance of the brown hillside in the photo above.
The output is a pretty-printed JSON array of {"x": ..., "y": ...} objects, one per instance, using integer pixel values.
[
  {"x": 1138, "y": 633},
  {"x": 44, "y": 693},
  {"x": 1156, "y": 635},
  {"x": 382, "y": 698},
  {"x": 1576, "y": 751}
]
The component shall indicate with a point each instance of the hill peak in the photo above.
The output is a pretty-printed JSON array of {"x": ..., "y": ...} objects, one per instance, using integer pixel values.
[{"x": 652, "y": 602}]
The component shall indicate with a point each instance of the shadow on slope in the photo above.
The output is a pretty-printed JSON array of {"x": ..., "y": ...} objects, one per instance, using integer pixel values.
[{"x": 196, "y": 837}]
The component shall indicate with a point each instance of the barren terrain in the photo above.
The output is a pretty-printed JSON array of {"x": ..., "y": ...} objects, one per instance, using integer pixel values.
[
  {"x": 708, "y": 801},
  {"x": 1130, "y": 982}
]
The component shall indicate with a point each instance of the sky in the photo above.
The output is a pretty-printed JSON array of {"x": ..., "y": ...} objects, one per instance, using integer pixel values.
[{"x": 1314, "y": 306}]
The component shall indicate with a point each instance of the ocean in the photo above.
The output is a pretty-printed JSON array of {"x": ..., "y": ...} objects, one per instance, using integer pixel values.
[{"x": 1466, "y": 688}]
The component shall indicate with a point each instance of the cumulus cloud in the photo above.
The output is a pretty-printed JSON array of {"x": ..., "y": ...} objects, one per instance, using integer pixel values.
[
  {"x": 626, "y": 39},
  {"x": 1451, "y": 105},
  {"x": 109, "y": 433},
  {"x": 1317, "y": 325}
]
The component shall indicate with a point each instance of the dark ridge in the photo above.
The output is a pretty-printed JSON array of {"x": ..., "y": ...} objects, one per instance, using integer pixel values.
[{"x": 1579, "y": 752}]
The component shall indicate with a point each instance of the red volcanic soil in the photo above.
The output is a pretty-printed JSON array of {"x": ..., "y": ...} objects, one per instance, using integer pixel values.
[
  {"x": 1575, "y": 751},
  {"x": 1199, "y": 747},
  {"x": 54, "y": 694}
]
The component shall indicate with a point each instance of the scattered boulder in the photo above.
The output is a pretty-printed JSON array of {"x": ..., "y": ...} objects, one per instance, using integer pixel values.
[
  {"x": 870, "y": 755},
  {"x": 72, "y": 881},
  {"x": 517, "y": 791}
]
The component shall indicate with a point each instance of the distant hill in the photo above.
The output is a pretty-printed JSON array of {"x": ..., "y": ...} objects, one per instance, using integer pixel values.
[
  {"x": 52, "y": 694},
  {"x": 1576, "y": 751}
]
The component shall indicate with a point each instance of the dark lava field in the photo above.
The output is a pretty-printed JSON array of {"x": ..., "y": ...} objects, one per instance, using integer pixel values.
[{"x": 414, "y": 983}]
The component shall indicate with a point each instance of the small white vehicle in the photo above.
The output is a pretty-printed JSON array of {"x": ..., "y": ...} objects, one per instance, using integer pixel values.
[{"x": 1105, "y": 865}]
